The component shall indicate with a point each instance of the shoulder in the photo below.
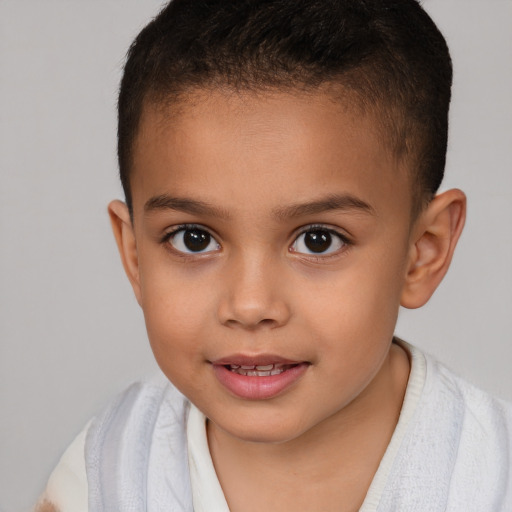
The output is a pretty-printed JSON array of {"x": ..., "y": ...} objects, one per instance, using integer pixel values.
[
  {"x": 66, "y": 490},
  {"x": 132, "y": 414},
  {"x": 139, "y": 442},
  {"x": 479, "y": 427},
  {"x": 455, "y": 453},
  {"x": 488, "y": 415}
]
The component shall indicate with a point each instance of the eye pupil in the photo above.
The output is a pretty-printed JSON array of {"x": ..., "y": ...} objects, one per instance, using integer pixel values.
[
  {"x": 317, "y": 241},
  {"x": 196, "y": 239}
]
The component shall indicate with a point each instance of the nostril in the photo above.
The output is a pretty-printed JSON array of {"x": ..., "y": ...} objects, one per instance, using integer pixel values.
[
  {"x": 250, "y": 308},
  {"x": 252, "y": 325}
]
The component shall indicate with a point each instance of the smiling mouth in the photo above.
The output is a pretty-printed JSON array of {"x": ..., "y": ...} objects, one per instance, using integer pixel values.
[
  {"x": 258, "y": 378},
  {"x": 266, "y": 370}
]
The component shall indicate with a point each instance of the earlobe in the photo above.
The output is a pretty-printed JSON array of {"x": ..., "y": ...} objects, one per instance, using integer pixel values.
[
  {"x": 435, "y": 236},
  {"x": 125, "y": 238}
]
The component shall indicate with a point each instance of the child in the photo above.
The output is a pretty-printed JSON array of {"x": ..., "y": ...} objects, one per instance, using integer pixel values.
[{"x": 280, "y": 161}]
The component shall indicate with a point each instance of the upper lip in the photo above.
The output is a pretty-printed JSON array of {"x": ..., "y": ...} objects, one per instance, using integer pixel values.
[{"x": 253, "y": 360}]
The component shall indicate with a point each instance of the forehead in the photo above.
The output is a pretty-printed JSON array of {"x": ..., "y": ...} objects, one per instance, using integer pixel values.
[{"x": 254, "y": 148}]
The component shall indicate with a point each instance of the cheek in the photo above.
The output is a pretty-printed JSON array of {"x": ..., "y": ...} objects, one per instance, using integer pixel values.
[
  {"x": 174, "y": 331},
  {"x": 177, "y": 314},
  {"x": 357, "y": 306},
  {"x": 362, "y": 296}
]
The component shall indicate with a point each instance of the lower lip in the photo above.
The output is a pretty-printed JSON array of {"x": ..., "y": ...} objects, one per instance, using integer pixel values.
[{"x": 258, "y": 388}]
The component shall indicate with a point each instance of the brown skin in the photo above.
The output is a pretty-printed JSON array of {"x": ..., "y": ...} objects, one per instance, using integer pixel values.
[
  {"x": 255, "y": 290},
  {"x": 46, "y": 506}
]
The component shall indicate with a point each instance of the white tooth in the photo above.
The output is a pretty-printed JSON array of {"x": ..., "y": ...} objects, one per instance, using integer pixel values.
[
  {"x": 265, "y": 367},
  {"x": 247, "y": 367},
  {"x": 256, "y": 373},
  {"x": 234, "y": 366}
]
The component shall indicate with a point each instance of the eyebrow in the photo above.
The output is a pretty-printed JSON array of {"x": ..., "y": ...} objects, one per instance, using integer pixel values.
[
  {"x": 344, "y": 202},
  {"x": 183, "y": 204}
]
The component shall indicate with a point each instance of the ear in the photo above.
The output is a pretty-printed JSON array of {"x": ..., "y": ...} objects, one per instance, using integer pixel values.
[
  {"x": 434, "y": 238},
  {"x": 125, "y": 237}
]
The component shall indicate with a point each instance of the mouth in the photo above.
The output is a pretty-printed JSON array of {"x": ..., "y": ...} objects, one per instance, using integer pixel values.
[
  {"x": 264, "y": 370},
  {"x": 258, "y": 378}
]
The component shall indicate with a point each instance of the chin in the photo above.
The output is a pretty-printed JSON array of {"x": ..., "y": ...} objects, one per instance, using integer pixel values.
[{"x": 273, "y": 432}]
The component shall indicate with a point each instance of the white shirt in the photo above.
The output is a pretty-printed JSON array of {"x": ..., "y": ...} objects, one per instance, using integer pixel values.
[{"x": 67, "y": 486}]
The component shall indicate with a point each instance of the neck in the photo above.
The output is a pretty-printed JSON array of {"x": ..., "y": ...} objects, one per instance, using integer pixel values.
[{"x": 335, "y": 461}]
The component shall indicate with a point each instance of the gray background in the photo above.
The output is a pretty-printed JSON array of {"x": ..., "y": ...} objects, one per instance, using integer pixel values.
[{"x": 72, "y": 334}]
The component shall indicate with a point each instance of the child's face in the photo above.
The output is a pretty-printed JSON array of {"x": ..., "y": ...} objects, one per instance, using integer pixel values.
[{"x": 270, "y": 229}]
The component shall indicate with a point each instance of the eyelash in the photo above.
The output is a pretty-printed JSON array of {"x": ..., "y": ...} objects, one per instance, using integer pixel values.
[
  {"x": 308, "y": 229},
  {"x": 323, "y": 228},
  {"x": 185, "y": 227}
]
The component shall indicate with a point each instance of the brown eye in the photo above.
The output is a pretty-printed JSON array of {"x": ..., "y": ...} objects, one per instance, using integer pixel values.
[
  {"x": 196, "y": 240},
  {"x": 318, "y": 241},
  {"x": 193, "y": 240}
]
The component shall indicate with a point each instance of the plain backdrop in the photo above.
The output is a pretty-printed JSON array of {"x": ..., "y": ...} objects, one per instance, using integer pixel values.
[{"x": 72, "y": 334}]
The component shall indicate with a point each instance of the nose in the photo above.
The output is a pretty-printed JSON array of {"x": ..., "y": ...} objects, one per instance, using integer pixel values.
[{"x": 253, "y": 297}]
